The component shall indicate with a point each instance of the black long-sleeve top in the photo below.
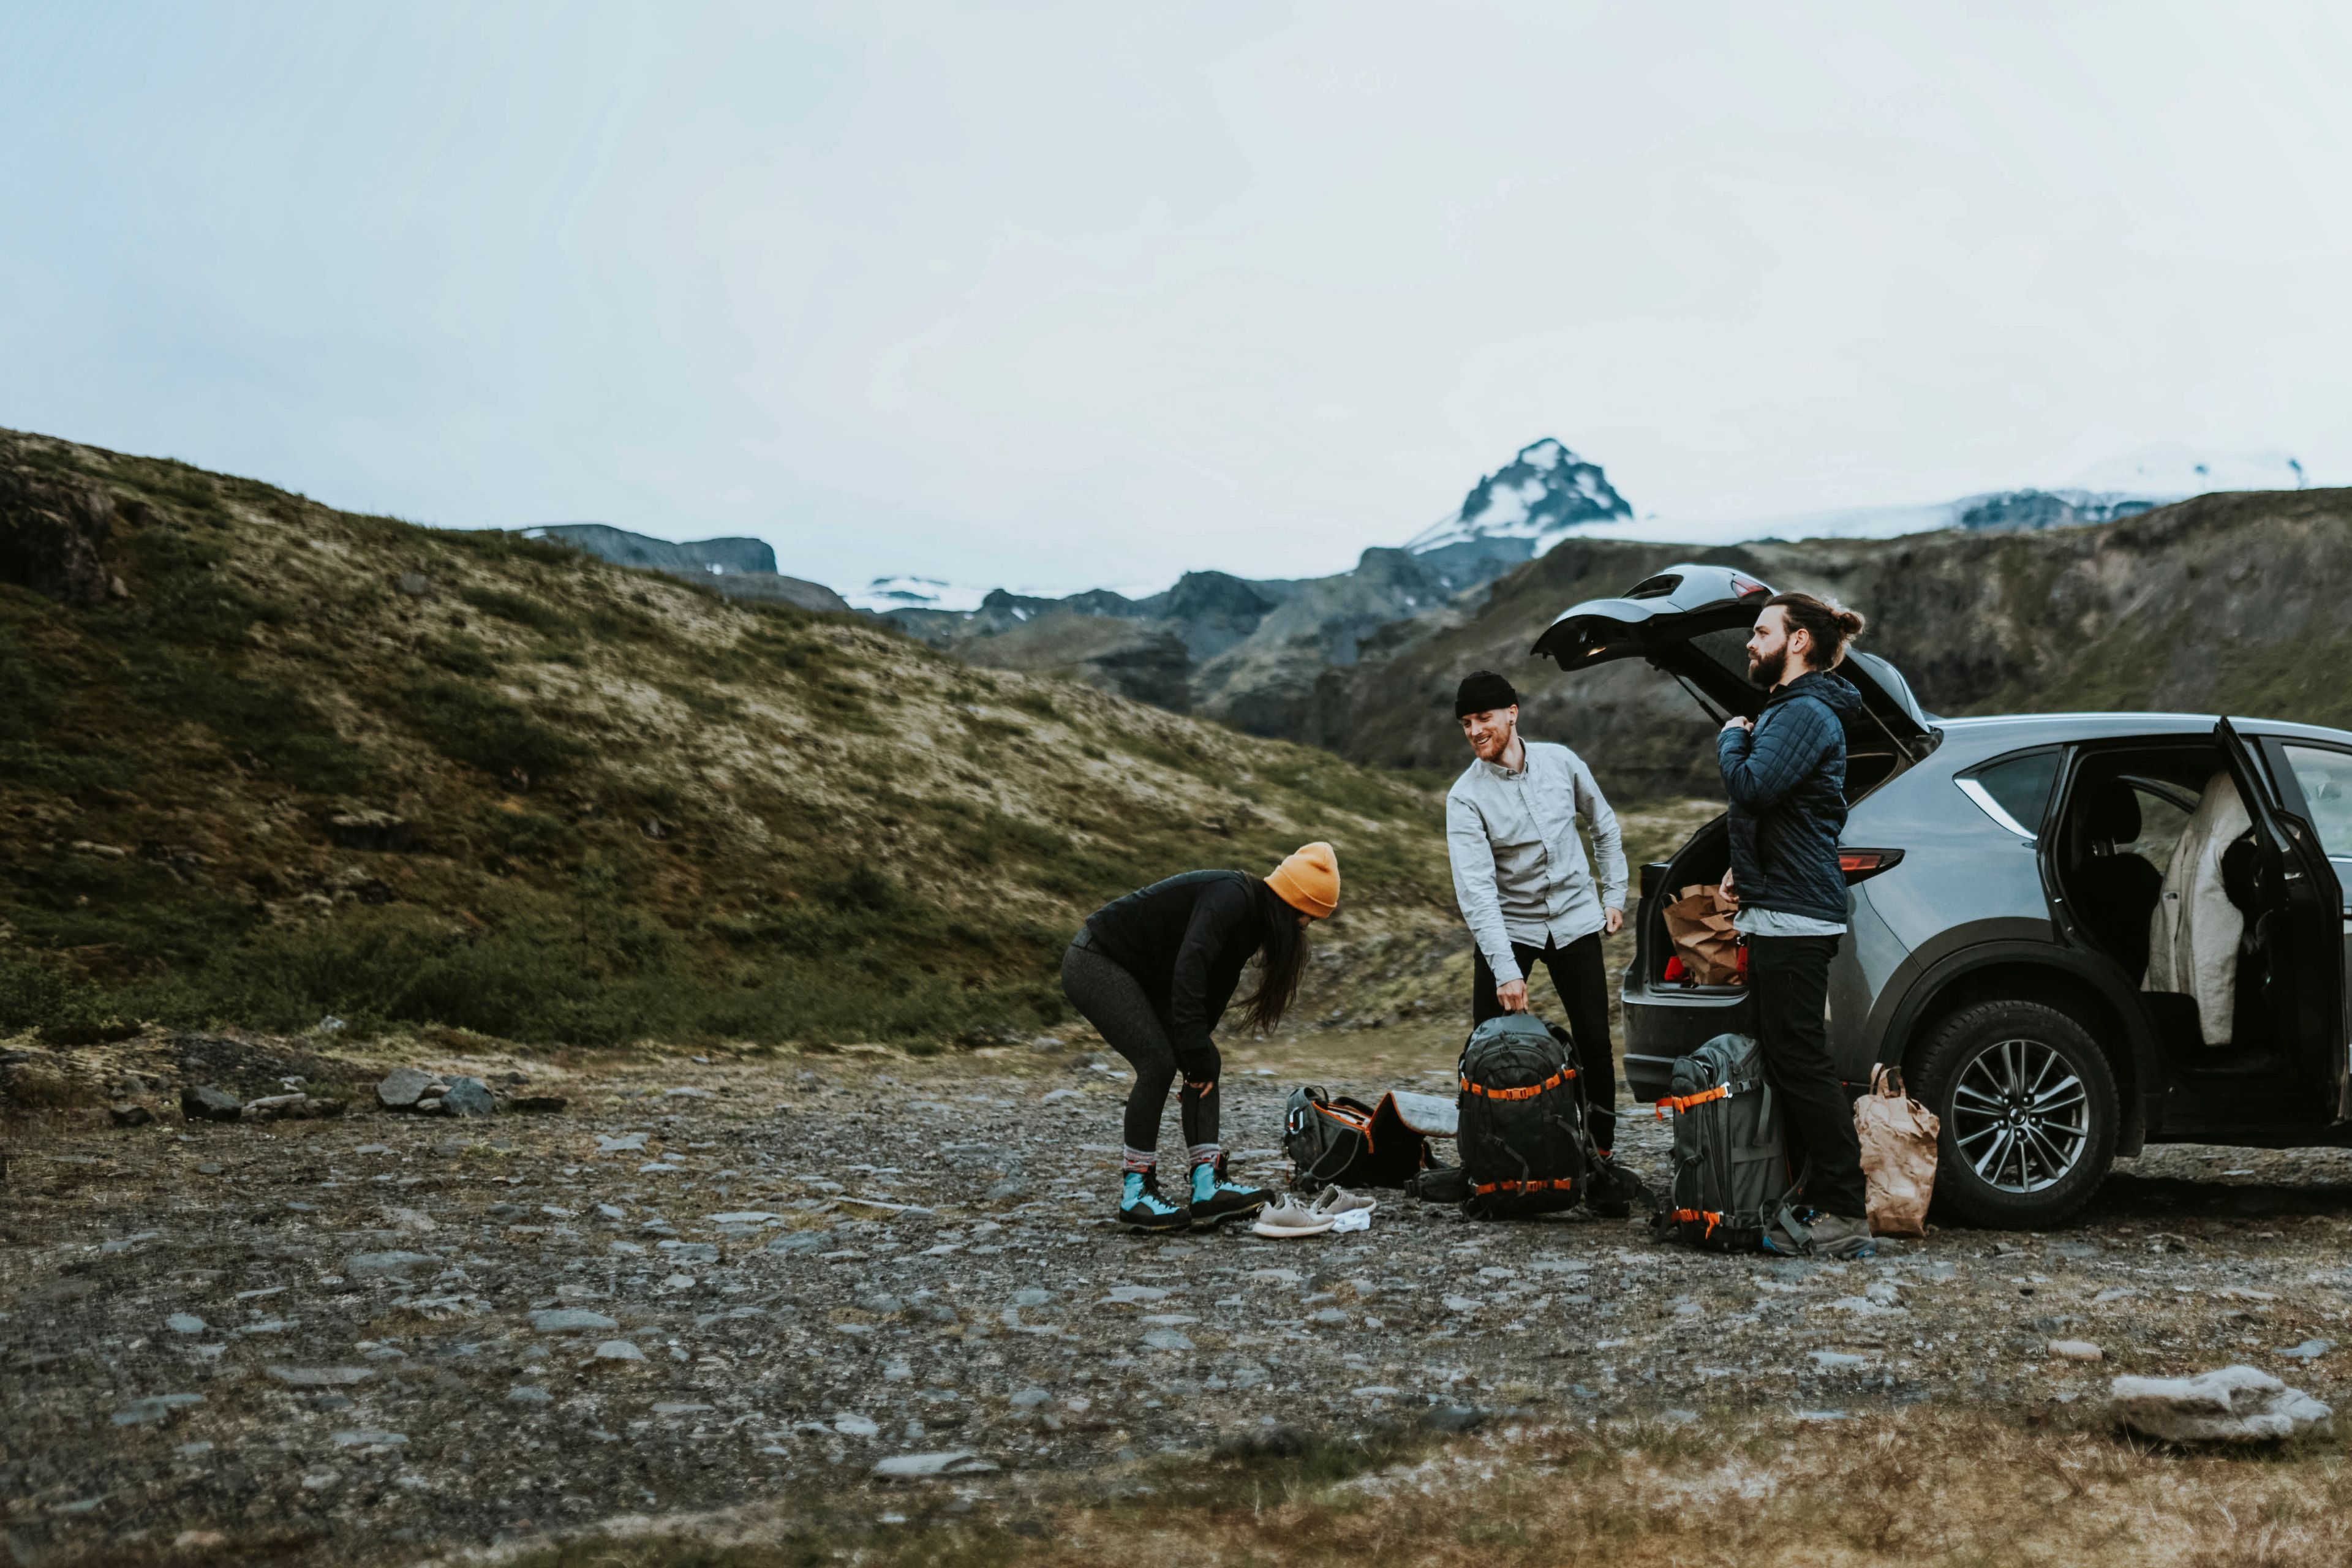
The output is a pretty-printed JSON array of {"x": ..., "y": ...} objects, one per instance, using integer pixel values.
[{"x": 1185, "y": 940}]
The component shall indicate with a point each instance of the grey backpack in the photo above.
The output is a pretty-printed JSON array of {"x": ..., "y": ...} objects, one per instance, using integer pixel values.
[{"x": 1730, "y": 1168}]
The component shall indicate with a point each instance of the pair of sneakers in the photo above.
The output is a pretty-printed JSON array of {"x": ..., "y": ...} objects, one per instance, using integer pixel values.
[{"x": 1211, "y": 1200}]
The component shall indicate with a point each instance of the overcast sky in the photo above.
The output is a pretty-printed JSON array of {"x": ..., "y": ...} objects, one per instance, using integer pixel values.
[{"x": 1060, "y": 295}]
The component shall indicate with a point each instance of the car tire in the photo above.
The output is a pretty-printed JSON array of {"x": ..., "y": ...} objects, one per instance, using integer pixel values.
[{"x": 2045, "y": 1143}]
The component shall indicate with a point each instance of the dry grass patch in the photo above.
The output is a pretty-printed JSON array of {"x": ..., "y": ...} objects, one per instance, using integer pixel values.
[{"x": 1917, "y": 1488}]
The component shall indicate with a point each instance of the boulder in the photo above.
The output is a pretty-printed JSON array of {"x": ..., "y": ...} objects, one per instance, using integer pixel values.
[
  {"x": 467, "y": 1097},
  {"x": 2232, "y": 1404},
  {"x": 206, "y": 1103},
  {"x": 402, "y": 1087},
  {"x": 130, "y": 1114},
  {"x": 61, "y": 536}
]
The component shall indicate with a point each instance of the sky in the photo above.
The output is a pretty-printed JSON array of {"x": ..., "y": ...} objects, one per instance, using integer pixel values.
[{"x": 1055, "y": 296}]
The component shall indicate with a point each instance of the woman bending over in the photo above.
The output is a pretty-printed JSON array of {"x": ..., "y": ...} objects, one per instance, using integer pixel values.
[{"x": 1154, "y": 971}]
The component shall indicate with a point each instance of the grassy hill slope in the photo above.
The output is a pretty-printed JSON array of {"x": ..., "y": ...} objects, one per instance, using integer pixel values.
[
  {"x": 2223, "y": 604},
  {"x": 264, "y": 760}
]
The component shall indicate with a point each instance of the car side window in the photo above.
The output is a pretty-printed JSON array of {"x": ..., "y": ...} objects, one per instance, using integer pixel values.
[
  {"x": 2161, "y": 824},
  {"x": 2015, "y": 788},
  {"x": 2324, "y": 777}
]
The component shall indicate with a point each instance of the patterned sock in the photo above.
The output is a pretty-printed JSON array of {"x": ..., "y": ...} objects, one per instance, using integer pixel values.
[
  {"x": 1145, "y": 1160},
  {"x": 1206, "y": 1154}
]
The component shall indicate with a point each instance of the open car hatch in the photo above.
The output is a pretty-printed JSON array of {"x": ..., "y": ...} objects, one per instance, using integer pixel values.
[{"x": 1693, "y": 622}]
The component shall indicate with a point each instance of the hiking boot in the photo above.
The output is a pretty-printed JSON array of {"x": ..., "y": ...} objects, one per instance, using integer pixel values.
[
  {"x": 1216, "y": 1200},
  {"x": 1141, "y": 1208},
  {"x": 1809, "y": 1233}
]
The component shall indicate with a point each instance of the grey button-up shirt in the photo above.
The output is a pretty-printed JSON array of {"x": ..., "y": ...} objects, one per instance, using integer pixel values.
[{"x": 1519, "y": 870}]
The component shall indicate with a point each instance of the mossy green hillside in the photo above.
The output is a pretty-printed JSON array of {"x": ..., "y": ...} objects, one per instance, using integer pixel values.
[{"x": 628, "y": 808}]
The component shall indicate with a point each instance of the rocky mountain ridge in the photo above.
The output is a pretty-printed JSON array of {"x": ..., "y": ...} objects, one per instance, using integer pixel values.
[
  {"x": 1265, "y": 656},
  {"x": 2223, "y": 604},
  {"x": 739, "y": 567},
  {"x": 1248, "y": 651}
]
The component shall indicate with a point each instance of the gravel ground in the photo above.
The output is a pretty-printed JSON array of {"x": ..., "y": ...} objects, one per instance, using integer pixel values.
[{"x": 384, "y": 1335}]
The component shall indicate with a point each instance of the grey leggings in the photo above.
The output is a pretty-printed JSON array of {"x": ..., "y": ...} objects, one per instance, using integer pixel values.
[{"x": 1114, "y": 1003}]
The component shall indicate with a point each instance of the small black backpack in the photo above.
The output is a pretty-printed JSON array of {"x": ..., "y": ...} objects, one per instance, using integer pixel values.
[
  {"x": 1333, "y": 1141},
  {"x": 1524, "y": 1145}
]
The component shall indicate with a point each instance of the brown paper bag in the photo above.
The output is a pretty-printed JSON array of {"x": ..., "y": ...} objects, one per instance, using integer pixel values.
[
  {"x": 1699, "y": 924},
  {"x": 1898, "y": 1154}
]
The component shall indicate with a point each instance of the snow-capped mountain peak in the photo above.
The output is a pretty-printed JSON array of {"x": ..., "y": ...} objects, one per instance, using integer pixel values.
[{"x": 1541, "y": 496}]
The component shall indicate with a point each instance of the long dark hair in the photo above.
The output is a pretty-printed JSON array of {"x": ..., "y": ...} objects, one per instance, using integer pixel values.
[{"x": 1281, "y": 959}]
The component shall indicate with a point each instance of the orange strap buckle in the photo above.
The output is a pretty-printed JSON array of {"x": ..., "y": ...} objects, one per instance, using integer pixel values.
[
  {"x": 1691, "y": 1217},
  {"x": 1688, "y": 1102},
  {"x": 1554, "y": 1081},
  {"x": 1561, "y": 1185}
]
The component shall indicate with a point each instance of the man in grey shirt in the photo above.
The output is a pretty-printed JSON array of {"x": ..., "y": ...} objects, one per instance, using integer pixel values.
[{"x": 1525, "y": 886}]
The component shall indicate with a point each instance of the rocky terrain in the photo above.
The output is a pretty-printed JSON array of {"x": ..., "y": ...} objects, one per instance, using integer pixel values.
[{"x": 845, "y": 1292}]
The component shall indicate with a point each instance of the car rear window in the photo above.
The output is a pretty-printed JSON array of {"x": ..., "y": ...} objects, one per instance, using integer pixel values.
[{"x": 2021, "y": 786}]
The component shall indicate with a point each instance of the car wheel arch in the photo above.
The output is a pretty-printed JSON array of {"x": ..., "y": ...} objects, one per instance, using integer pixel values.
[{"x": 2055, "y": 978}]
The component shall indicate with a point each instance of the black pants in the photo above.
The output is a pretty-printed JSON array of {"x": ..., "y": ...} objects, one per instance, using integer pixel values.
[
  {"x": 1114, "y": 1003},
  {"x": 1789, "y": 977},
  {"x": 1584, "y": 987}
]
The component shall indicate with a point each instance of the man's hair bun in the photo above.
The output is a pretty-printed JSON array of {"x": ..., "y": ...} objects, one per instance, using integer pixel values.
[{"x": 1831, "y": 626}]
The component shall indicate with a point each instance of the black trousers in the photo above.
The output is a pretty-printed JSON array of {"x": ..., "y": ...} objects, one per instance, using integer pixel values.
[
  {"x": 1789, "y": 978},
  {"x": 1583, "y": 986},
  {"x": 1113, "y": 1001}
]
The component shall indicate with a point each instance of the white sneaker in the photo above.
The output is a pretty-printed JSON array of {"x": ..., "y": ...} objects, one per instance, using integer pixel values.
[
  {"x": 1337, "y": 1201},
  {"x": 1290, "y": 1218},
  {"x": 1347, "y": 1211}
]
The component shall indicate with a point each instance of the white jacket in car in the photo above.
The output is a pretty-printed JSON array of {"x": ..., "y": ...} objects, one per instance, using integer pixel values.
[{"x": 2192, "y": 938}]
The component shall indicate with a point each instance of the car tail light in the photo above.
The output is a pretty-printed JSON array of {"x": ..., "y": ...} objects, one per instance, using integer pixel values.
[{"x": 1860, "y": 865}]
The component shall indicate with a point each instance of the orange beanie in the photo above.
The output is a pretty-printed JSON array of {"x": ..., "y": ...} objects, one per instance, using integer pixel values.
[{"x": 1308, "y": 881}]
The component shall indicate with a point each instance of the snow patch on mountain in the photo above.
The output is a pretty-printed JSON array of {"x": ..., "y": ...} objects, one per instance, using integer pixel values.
[
  {"x": 2176, "y": 472},
  {"x": 1542, "y": 495},
  {"x": 904, "y": 591}
]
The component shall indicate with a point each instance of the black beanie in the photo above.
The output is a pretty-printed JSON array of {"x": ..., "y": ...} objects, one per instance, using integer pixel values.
[{"x": 1483, "y": 691}]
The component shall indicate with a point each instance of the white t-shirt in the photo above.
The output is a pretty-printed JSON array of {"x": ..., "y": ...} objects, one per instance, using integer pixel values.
[{"x": 1778, "y": 922}]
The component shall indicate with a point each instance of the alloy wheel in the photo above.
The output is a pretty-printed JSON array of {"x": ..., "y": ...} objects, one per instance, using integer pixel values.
[{"x": 2021, "y": 1115}]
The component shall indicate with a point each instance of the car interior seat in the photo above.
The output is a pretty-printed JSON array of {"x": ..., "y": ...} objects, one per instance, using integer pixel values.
[
  {"x": 2195, "y": 933},
  {"x": 2117, "y": 890}
]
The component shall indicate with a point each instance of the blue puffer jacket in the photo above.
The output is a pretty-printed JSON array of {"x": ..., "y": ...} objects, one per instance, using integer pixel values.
[{"x": 1787, "y": 784}]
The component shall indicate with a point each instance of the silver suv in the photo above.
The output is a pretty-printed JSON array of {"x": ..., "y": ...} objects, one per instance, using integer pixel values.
[{"x": 2075, "y": 932}]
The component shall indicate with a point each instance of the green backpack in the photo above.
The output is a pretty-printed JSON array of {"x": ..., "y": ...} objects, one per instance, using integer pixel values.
[{"x": 1730, "y": 1167}]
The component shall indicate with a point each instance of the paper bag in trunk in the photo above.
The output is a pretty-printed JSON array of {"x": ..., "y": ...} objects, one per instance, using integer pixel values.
[
  {"x": 1699, "y": 922},
  {"x": 1898, "y": 1154}
]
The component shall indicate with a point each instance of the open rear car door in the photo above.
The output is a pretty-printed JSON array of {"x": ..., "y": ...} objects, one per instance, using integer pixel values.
[
  {"x": 1693, "y": 622},
  {"x": 2302, "y": 956}
]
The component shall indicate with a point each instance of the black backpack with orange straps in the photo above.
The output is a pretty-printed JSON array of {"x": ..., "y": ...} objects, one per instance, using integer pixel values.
[
  {"x": 1730, "y": 1165},
  {"x": 1523, "y": 1138}
]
